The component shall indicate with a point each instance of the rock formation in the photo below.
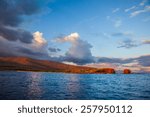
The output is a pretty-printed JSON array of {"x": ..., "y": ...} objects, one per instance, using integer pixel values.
[{"x": 127, "y": 71}]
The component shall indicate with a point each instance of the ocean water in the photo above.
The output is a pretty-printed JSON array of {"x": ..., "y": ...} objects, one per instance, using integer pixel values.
[{"x": 60, "y": 86}]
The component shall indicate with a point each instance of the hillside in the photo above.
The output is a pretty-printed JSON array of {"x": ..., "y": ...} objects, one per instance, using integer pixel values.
[{"x": 28, "y": 64}]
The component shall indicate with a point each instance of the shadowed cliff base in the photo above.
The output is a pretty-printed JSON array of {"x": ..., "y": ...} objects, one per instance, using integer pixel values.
[{"x": 28, "y": 64}]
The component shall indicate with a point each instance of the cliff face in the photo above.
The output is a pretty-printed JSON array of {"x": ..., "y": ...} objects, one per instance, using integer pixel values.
[
  {"x": 105, "y": 70},
  {"x": 28, "y": 64}
]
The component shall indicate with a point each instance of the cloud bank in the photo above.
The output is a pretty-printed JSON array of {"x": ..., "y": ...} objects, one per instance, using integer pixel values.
[
  {"x": 11, "y": 12},
  {"x": 137, "y": 64},
  {"x": 15, "y": 41}
]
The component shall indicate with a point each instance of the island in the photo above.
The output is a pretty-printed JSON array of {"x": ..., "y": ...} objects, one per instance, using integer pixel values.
[
  {"x": 30, "y": 64},
  {"x": 126, "y": 71}
]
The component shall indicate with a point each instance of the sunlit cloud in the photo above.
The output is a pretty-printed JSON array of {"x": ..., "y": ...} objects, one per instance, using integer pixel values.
[
  {"x": 80, "y": 50},
  {"x": 39, "y": 40},
  {"x": 70, "y": 38}
]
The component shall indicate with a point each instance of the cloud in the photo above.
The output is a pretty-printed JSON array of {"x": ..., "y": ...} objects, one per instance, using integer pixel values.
[
  {"x": 102, "y": 65},
  {"x": 12, "y": 34},
  {"x": 7, "y": 48},
  {"x": 11, "y": 12},
  {"x": 54, "y": 49},
  {"x": 128, "y": 43},
  {"x": 117, "y": 23},
  {"x": 146, "y": 42},
  {"x": 33, "y": 50},
  {"x": 144, "y": 60},
  {"x": 137, "y": 64},
  {"x": 38, "y": 40},
  {"x": 70, "y": 38},
  {"x": 80, "y": 50},
  {"x": 30, "y": 53},
  {"x": 19, "y": 42},
  {"x": 10, "y": 48},
  {"x": 129, "y": 9},
  {"x": 115, "y": 10},
  {"x": 138, "y": 12},
  {"x": 122, "y": 34}
]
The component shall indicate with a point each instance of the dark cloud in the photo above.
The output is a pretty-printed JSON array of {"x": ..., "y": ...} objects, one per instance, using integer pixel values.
[
  {"x": 11, "y": 12},
  {"x": 79, "y": 61},
  {"x": 121, "y": 34},
  {"x": 16, "y": 34},
  {"x": 111, "y": 60},
  {"x": 54, "y": 49},
  {"x": 141, "y": 60},
  {"x": 144, "y": 60},
  {"x": 29, "y": 52},
  {"x": 10, "y": 48},
  {"x": 80, "y": 50},
  {"x": 128, "y": 43},
  {"x": 13, "y": 40}
]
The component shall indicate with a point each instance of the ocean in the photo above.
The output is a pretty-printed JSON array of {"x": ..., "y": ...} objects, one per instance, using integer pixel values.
[{"x": 62, "y": 86}]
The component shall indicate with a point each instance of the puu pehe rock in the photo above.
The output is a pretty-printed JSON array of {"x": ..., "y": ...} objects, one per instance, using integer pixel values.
[{"x": 127, "y": 71}]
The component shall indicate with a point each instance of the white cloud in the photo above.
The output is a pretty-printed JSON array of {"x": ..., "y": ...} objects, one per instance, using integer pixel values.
[
  {"x": 71, "y": 38},
  {"x": 117, "y": 23},
  {"x": 70, "y": 63},
  {"x": 80, "y": 50},
  {"x": 135, "y": 13},
  {"x": 115, "y": 10},
  {"x": 39, "y": 40},
  {"x": 129, "y": 9},
  {"x": 102, "y": 65}
]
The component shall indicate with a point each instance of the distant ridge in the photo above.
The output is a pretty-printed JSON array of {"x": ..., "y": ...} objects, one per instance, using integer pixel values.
[{"x": 29, "y": 64}]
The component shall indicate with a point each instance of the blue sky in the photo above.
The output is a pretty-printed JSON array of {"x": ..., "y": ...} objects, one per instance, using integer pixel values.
[
  {"x": 97, "y": 33},
  {"x": 95, "y": 21}
]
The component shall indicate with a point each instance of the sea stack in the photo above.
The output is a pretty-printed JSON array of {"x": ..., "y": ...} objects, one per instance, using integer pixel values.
[{"x": 127, "y": 71}]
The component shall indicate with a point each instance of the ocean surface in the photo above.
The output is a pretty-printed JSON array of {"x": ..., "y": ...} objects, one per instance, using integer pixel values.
[{"x": 60, "y": 86}]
